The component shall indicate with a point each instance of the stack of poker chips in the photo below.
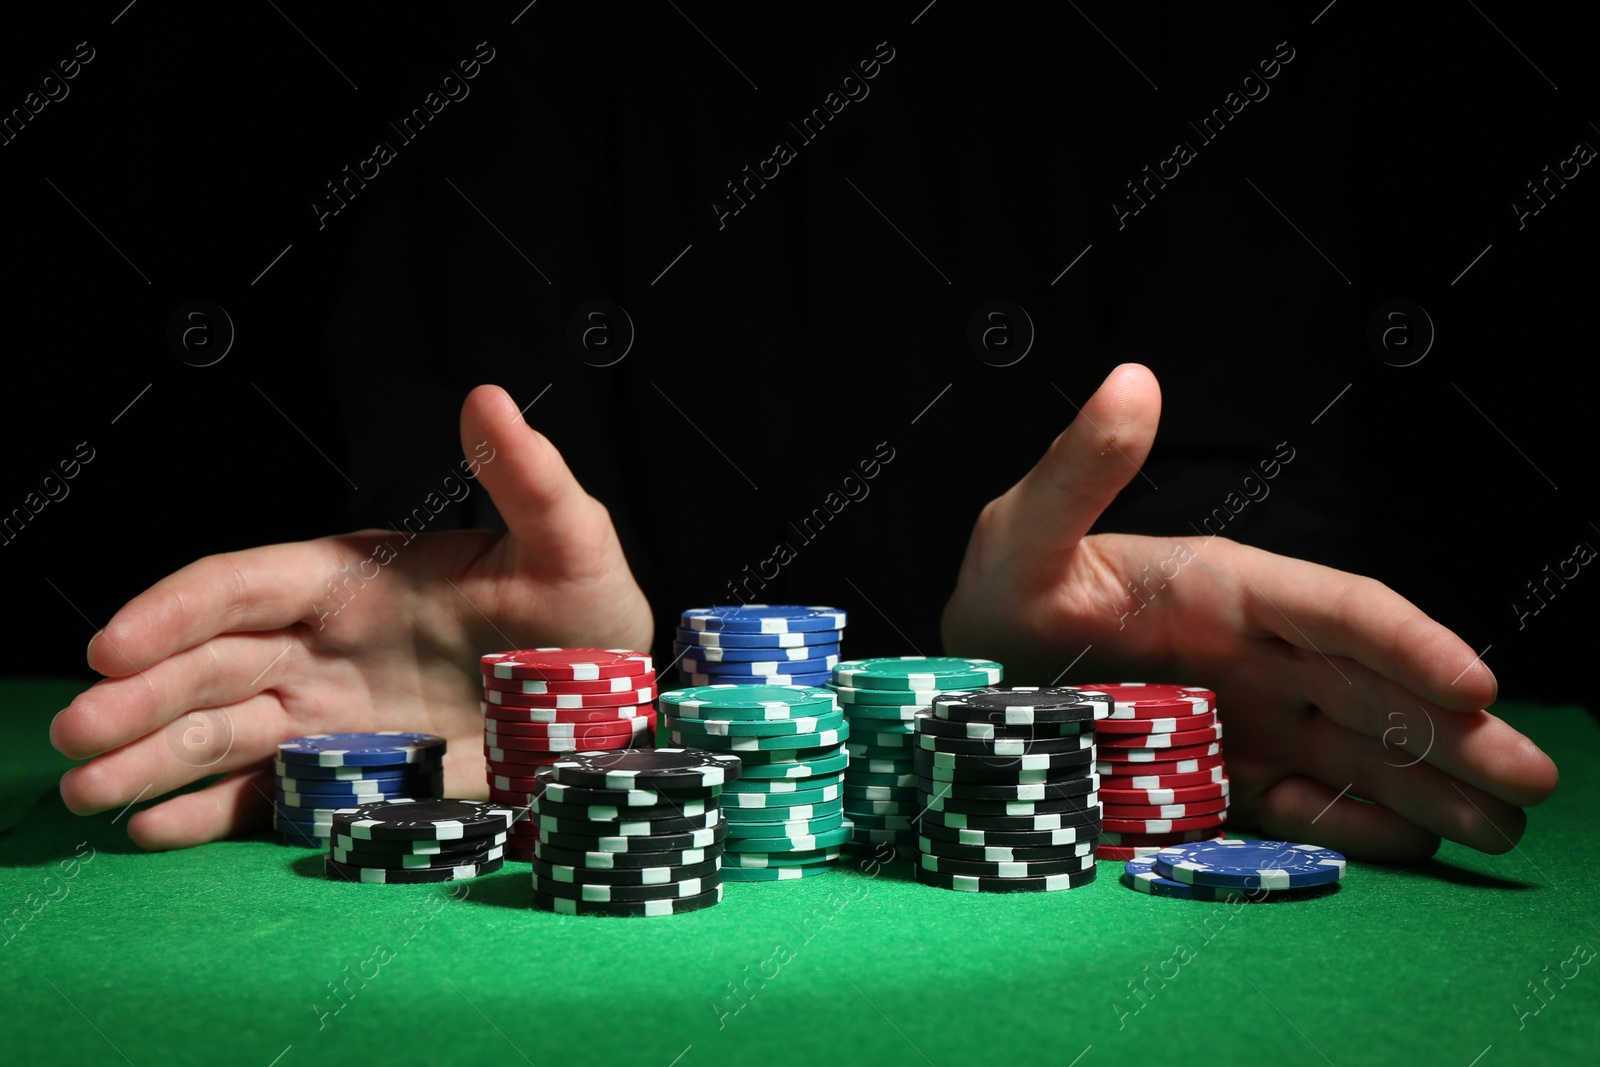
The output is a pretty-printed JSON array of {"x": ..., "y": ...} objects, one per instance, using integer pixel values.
[
  {"x": 1007, "y": 780},
  {"x": 881, "y": 699},
  {"x": 406, "y": 842},
  {"x": 323, "y": 773},
  {"x": 750, "y": 644},
  {"x": 1235, "y": 871},
  {"x": 1162, "y": 780},
  {"x": 542, "y": 703},
  {"x": 785, "y": 815},
  {"x": 635, "y": 832}
]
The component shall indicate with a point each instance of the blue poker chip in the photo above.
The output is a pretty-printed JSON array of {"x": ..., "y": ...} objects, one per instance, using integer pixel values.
[
  {"x": 715, "y": 656},
  {"x": 764, "y": 619},
  {"x": 361, "y": 750},
  {"x": 1236, "y": 864},
  {"x": 800, "y": 639},
  {"x": 1140, "y": 874},
  {"x": 328, "y": 787},
  {"x": 379, "y": 772},
  {"x": 694, "y": 665}
]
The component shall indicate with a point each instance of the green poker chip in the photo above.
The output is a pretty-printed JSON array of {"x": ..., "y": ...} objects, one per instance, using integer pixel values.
[
  {"x": 861, "y": 778},
  {"x": 823, "y": 765},
  {"x": 780, "y": 859},
  {"x": 882, "y": 713},
  {"x": 777, "y": 874},
  {"x": 778, "y": 787},
  {"x": 793, "y": 828},
  {"x": 849, "y": 696},
  {"x": 828, "y": 839},
  {"x": 917, "y": 673},
  {"x": 790, "y": 742},
  {"x": 748, "y": 702},
  {"x": 765, "y": 816},
  {"x": 734, "y": 803},
  {"x": 800, "y": 724}
]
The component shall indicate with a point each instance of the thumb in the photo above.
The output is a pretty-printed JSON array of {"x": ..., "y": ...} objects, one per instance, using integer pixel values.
[
  {"x": 525, "y": 476},
  {"x": 1052, "y": 507}
]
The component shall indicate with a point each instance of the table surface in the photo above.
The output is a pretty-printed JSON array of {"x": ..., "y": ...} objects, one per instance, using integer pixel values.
[{"x": 241, "y": 952}]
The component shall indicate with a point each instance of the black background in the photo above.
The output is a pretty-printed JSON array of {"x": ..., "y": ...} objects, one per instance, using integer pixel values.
[{"x": 825, "y": 316}]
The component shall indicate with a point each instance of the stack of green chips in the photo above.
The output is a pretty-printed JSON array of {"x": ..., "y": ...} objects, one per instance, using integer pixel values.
[{"x": 785, "y": 813}]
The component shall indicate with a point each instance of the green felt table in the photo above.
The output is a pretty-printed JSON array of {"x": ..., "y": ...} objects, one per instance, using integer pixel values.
[{"x": 241, "y": 953}]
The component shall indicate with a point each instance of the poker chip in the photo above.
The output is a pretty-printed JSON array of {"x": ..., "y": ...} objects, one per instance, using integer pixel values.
[
  {"x": 832, "y": 720},
  {"x": 1060, "y": 789},
  {"x": 380, "y": 748},
  {"x": 435, "y": 820},
  {"x": 578, "y": 701},
  {"x": 566, "y": 664},
  {"x": 1129, "y": 852},
  {"x": 774, "y": 874},
  {"x": 407, "y": 876},
  {"x": 418, "y": 861},
  {"x": 742, "y": 744},
  {"x": 870, "y": 716},
  {"x": 970, "y": 883},
  {"x": 797, "y": 768},
  {"x": 917, "y": 672},
  {"x": 1112, "y": 837},
  {"x": 762, "y": 619},
  {"x": 1159, "y": 755},
  {"x": 951, "y": 850},
  {"x": 1180, "y": 739},
  {"x": 670, "y": 906},
  {"x": 635, "y": 876},
  {"x": 801, "y": 826},
  {"x": 610, "y": 861},
  {"x": 787, "y": 813},
  {"x": 713, "y": 678},
  {"x": 610, "y": 893},
  {"x": 667, "y": 809},
  {"x": 627, "y": 827},
  {"x": 915, "y": 698},
  {"x": 1185, "y": 723},
  {"x": 1007, "y": 868},
  {"x": 1237, "y": 864},
  {"x": 717, "y": 640},
  {"x": 1141, "y": 700},
  {"x": 771, "y": 656},
  {"x": 508, "y": 729},
  {"x": 757, "y": 702},
  {"x": 938, "y": 802},
  {"x": 623, "y": 683},
  {"x": 660, "y": 768},
  {"x": 1166, "y": 811},
  {"x": 1166, "y": 826},
  {"x": 1161, "y": 769},
  {"x": 1006, "y": 746},
  {"x": 503, "y": 715},
  {"x": 799, "y": 843},
  {"x": 756, "y": 860},
  {"x": 1068, "y": 835},
  {"x": 417, "y": 847},
  {"x": 318, "y": 775},
  {"x": 1085, "y": 819},
  {"x": 712, "y": 837},
  {"x": 693, "y": 664},
  {"x": 1019, "y": 706},
  {"x": 1181, "y": 794},
  {"x": 782, "y": 785},
  {"x": 1139, "y": 873}
]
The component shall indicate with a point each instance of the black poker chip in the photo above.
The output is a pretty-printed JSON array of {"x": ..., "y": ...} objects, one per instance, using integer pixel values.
[
  {"x": 1009, "y": 869},
  {"x": 409, "y": 820},
  {"x": 1005, "y": 747},
  {"x": 1088, "y": 816},
  {"x": 420, "y": 847},
  {"x": 1002, "y": 769},
  {"x": 1052, "y": 790},
  {"x": 604, "y": 861},
  {"x": 629, "y": 827},
  {"x": 558, "y": 793},
  {"x": 383, "y": 875},
  {"x": 1021, "y": 705},
  {"x": 673, "y": 906},
  {"x": 708, "y": 838},
  {"x": 659, "y": 769},
  {"x": 950, "y": 849},
  {"x": 937, "y": 802},
  {"x": 603, "y": 893},
  {"x": 411, "y": 861},
  {"x": 687, "y": 809},
  {"x": 553, "y": 872},
  {"x": 1001, "y": 839},
  {"x": 972, "y": 883},
  {"x": 977, "y": 731}
]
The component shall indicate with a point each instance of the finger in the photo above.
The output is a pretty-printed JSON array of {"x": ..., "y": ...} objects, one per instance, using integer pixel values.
[
  {"x": 1474, "y": 747},
  {"x": 1421, "y": 793},
  {"x": 1334, "y": 613},
  {"x": 1303, "y": 810},
  {"x": 544, "y": 506},
  {"x": 1049, "y": 511},
  {"x": 237, "y": 804},
  {"x": 220, "y": 672},
  {"x": 216, "y": 741},
  {"x": 257, "y": 589}
]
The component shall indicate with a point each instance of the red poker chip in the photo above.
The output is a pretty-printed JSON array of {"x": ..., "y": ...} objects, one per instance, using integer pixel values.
[
  {"x": 501, "y": 713},
  {"x": 1139, "y": 780},
  {"x": 558, "y": 746},
  {"x": 1123, "y": 853},
  {"x": 566, "y": 664},
  {"x": 1164, "y": 811},
  {"x": 514, "y": 783},
  {"x": 1165, "y": 826},
  {"x": 1161, "y": 840},
  {"x": 1179, "y": 795},
  {"x": 579, "y": 732},
  {"x": 1184, "y": 723},
  {"x": 1140, "y": 756},
  {"x": 576, "y": 701},
  {"x": 1181, "y": 739},
  {"x": 1139, "y": 700},
  {"x": 533, "y": 686}
]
